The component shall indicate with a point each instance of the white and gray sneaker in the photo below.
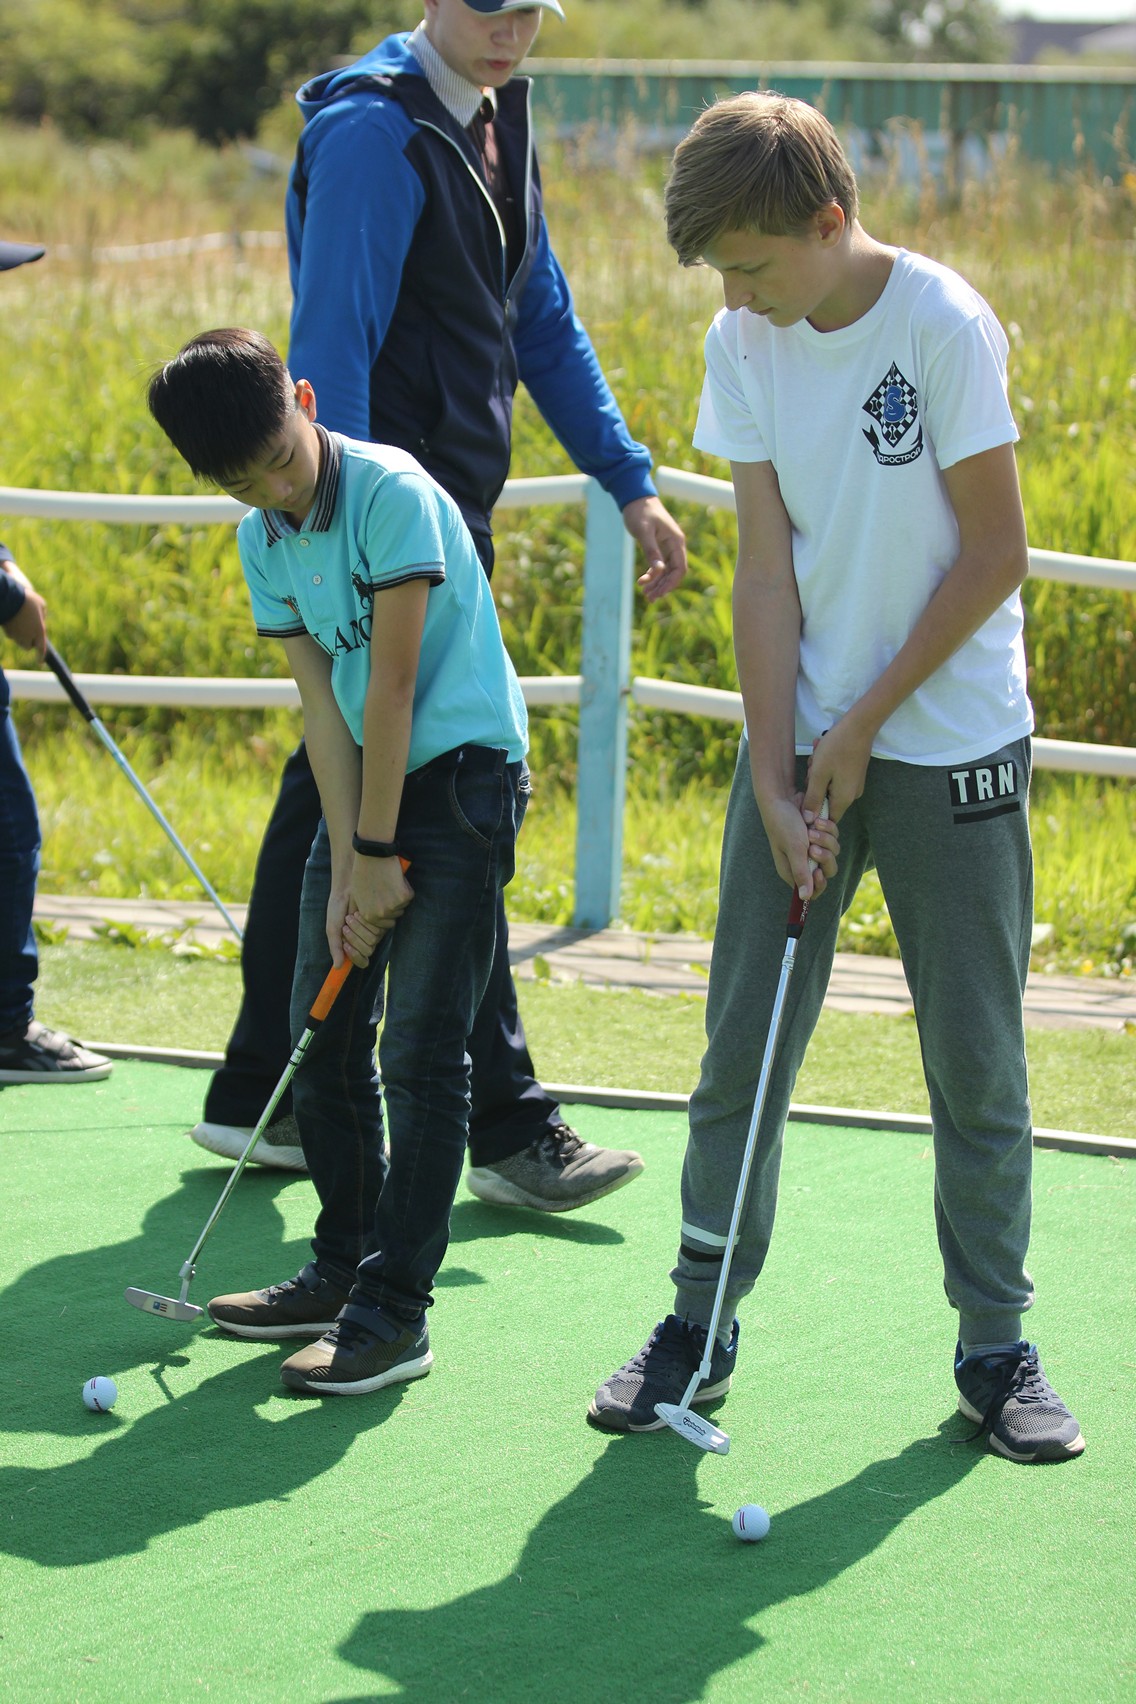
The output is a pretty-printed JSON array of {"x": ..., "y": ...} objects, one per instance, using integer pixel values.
[
  {"x": 279, "y": 1146},
  {"x": 555, "y": 1173}
]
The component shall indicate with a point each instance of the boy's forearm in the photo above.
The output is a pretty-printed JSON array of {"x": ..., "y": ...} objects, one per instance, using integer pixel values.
[
  {"x": 337, "y": 766},
  {"x": 387, "y": 716},
  {"x": 767, "y": 628},
  {"x": 767, "y": 644}
]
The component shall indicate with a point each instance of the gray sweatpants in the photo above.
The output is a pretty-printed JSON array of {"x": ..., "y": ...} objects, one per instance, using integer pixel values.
[{"x": 952, "y": 849}]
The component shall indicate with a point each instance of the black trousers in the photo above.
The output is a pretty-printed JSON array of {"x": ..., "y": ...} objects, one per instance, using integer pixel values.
[{"x": 510, "y": 1108}]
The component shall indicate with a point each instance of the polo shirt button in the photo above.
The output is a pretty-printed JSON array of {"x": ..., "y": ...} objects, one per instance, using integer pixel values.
[
  {"x": 304, "y": 544},
  {"x": 317, "y": 579}
]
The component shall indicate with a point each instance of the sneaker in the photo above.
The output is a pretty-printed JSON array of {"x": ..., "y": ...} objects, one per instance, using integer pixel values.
[
  {"x": 279, "y": 1146},
  {"x": 304, "y": 1306},
  {"x": 351, "y": 1359},
  {"x": 42, "y": 1055},
  {"x": 1014, "y": 1404},
  {"x": 661, "y": 1372},
  {"x": 556, "y": 1173}
]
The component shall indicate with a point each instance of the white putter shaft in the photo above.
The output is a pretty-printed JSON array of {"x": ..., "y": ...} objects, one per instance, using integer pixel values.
[{"x": 678, "y": 1416}]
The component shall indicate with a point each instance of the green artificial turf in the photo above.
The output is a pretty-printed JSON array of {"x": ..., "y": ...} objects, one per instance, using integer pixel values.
[{"x": 468, "y": 1536}]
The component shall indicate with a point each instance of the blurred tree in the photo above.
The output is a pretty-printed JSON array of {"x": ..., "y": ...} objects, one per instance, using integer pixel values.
[{"x": 966, "y": 31}]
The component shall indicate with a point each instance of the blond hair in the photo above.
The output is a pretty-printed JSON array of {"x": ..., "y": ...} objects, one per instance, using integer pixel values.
[{"x": 760, "y": 161}]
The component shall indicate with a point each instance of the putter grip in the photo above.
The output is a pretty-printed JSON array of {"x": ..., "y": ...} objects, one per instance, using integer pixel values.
[
  {"x": 334, "y": 981},
  {"x": 798, "y": 907},
  {"x": 63, "y": 675}
]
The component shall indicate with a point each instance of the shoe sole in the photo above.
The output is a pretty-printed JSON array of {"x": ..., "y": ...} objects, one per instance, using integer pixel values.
[
  {"x": 269, "y": 1333},
  {"x": 360, "y": 1387},
  {"x": 89, "y": 1074},
  {"x": 1051, "y": 1452},
  {"x": 499, "y": 1192},
  {"x": 601, "y": 1417},
  {"x": 284, "y": 1157}
]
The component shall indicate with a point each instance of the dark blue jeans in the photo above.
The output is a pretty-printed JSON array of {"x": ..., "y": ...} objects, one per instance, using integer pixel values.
[
  {"x": 19, "y": 868},
  {"x": 384, "y": 1216}
]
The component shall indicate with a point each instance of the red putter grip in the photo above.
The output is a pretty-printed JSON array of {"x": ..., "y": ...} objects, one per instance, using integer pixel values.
[{"x": 335, "y": 979}]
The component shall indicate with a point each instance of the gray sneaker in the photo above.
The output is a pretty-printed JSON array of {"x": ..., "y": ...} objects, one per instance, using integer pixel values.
[
  {"x": 1010, "y": 1399},
  {"x": 556, "y": 1173},
  {"x": 279, "y": 1146}
]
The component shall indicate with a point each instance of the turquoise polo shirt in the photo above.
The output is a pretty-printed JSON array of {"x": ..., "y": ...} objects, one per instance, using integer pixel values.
[{"x": 378, "y": 519}]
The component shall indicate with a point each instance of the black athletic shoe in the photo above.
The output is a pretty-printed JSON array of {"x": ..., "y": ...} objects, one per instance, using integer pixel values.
[
  {"x": 660, "y": 1373},
  {"x": 351, "y": 1360},
  {"x": 304, "y": 1306},
  {"x": 42, "y": 1055},
  {"x": 1015, "y": 1406}
]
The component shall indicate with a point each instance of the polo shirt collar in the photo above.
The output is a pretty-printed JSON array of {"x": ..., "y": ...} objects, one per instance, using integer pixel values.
[
  {"x": 461, "y": 98},
  {"x": 322, "y": 512}
]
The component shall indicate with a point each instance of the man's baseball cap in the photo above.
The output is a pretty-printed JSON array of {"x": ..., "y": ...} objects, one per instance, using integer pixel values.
[
  {"x": 514, "y": 6},
  {"x": 15, "y": 254}
]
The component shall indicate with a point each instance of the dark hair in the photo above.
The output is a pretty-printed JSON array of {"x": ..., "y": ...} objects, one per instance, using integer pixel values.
[
  {"x": 221, "y": 400},
  {"x": 759, "y": 161}
]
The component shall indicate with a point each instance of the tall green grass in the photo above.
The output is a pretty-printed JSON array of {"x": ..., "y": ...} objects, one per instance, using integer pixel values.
[{"x": 1057, "y": 262}]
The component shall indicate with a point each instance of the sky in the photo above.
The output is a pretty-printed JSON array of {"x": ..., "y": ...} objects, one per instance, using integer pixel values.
[{"x": 1072, "y": 11}]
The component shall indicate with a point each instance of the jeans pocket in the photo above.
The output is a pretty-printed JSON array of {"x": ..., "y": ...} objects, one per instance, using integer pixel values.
[{"x": 477, "y": 800}]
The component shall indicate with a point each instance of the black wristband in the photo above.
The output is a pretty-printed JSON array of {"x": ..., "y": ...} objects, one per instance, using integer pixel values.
[{"x": 374, "y": 848}]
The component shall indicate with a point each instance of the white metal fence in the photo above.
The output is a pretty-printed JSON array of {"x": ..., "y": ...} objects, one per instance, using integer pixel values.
[{"x": 603, "y": 689}]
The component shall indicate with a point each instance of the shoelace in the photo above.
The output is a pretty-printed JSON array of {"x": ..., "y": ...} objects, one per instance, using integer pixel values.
[
  {"x": 667, "y": 1343},
  {"x": 1021, "y": 1379},
  {"x": 560, "y": 1145}
]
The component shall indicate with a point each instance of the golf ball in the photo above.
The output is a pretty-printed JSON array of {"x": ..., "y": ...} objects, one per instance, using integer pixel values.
[
  {"x": 100, "y": 1394},
  {"x": 750, "y": 1523}
]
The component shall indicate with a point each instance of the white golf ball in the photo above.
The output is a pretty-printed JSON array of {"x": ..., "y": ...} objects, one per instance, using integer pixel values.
[
  {"x": 750, "y": 1523},
  {"x": 100, "y": 1394}
]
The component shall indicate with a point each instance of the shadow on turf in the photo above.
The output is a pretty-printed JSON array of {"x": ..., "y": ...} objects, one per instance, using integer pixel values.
[
  {"x": 631, "y": 1588},
  {"x": 67, "y": 1318}
]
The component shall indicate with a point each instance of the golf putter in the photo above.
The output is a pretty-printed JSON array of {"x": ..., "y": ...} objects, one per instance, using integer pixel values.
[
  {"x": 67, "y": 682},
  {"x": 177, "y": 1307},
  {"x": 695, "y": 1428}
]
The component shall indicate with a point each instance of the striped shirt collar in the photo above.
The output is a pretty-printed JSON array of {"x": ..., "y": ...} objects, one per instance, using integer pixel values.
[
  {"x": 320, "y": 515},
  {"x": 461, "y": 98}
]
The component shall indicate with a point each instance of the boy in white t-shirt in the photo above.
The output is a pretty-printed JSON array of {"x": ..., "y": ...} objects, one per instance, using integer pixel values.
[
  {"x": 364, "y": 568},
  {"x": 859, "y": 393}
]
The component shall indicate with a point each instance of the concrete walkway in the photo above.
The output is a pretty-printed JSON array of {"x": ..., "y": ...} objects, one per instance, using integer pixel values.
[{"x": 657, "y": 964}]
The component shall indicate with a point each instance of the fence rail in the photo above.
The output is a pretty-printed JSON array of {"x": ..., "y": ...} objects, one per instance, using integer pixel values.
[{"x": 602, "y": 691}]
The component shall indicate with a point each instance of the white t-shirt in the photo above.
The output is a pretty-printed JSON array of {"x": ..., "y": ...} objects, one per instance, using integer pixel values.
[{"x": 858, "y": 424}]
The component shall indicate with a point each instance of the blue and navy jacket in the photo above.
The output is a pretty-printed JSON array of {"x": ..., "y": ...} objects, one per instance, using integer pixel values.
[{"x": 404, "y": 319}]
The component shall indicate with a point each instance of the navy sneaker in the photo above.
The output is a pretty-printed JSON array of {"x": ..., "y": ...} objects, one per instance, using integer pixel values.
[
  {"x": 352, "y": 1358},
  {"x": 1013, "y": 1403},
  {"x": 661, "y": 1372}
]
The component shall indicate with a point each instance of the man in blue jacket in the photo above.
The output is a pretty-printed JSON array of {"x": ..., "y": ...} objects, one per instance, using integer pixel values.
[
  {"x": 425, "y": 289},
  {"x": 29, "y": 1051}
]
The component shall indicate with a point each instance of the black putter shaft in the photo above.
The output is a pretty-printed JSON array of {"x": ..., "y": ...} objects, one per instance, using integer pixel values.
[{"x": 67, "y": 681}]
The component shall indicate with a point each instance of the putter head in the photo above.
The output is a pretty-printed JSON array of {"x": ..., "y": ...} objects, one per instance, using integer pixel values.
[
  {"x": 693, "y": 1427},
  {"x": 167, "y": 1306}
]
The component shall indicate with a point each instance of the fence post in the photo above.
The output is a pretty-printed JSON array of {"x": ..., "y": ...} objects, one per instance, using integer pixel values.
[{"x": 606, "y": 669}]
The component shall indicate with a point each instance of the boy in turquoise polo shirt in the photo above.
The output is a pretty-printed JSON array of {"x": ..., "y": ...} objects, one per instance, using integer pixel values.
[{"x": 363, "y": 567}]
